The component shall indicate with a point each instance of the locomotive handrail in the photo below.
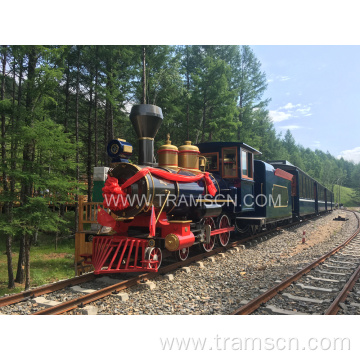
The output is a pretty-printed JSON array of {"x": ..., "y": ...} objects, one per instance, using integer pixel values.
[{"x": 88, "y": 211}]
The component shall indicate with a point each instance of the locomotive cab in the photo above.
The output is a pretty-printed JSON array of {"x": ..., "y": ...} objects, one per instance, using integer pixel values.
[{"x": 232, "y": 164}]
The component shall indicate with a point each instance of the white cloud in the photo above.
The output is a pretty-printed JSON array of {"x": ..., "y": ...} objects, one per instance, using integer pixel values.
[
  {"x": 290, "y": 106},
  {"x": 290, "y": 127},
  {"x": 289, "y": 111},
  {"x": 316, "y": 144},
  {"x": 304, "y": 110},
  {"x": 277, "y": 116},
  {"x": 283, "y": 78},
  {"x": 273, "y": 78},
  {"x": 351, "y": 155}
]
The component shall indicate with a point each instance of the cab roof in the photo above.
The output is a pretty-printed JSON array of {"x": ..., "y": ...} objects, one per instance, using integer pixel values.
[{"x": 218, "y": 145}]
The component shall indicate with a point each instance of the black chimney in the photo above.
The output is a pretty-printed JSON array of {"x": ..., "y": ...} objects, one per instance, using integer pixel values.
[{"x": 146, "y": 120}]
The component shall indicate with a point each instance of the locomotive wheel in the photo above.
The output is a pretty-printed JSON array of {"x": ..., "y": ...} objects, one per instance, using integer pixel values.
[
  {"x": 208, "y": 247},
  {"x": 153, "y": 253},
  {"x": 224, "y": 222},
  {"x": 182, "y": 255},
  {"x": 242, "y": 229}
]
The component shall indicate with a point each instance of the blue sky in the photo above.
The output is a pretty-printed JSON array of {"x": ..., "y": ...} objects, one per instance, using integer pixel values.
[{"x": 315, "y": 92}]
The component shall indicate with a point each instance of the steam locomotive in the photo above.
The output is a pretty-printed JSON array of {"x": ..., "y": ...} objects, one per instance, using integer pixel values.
[{"x": 195, "y": 195}]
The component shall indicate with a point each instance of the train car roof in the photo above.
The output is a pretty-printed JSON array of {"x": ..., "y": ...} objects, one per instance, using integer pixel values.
[
  {"x": 217, "y": 145},
  {"x": 281, "y": 162},
  {"x": 287, "y": 165}
]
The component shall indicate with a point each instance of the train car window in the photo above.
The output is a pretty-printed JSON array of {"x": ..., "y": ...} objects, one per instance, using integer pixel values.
[
  {"x": 250, "y": 164},
  {"x": 246, "y": 164},
  {"x": 230, "y": 162},
  {"x": 212, "y": 161},
  {"x": 243, "y": 163},
  {"x": 313, "y": 190},
  {"x": 293, "y": 186},
  {"x": 302, "y": 185},
  {"x": 280, "y": 196}
]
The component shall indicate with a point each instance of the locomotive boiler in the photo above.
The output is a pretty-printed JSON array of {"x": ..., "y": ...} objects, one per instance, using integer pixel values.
[{"x": 180, "y": 198}]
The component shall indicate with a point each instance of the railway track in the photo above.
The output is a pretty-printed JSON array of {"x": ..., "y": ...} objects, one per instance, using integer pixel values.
[
  {"x": 319, "y": 288},
  {"x": 46, "y": 289},
  {"x": 115, "y": 288},
  {"x": 93, "y": 295}
]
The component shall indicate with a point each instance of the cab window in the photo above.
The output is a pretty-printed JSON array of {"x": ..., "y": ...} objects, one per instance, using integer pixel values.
[
  {"x": 230, "y": 162},
  {"x": 212, "y": 161},
  {"x": 246, "y": 164}
]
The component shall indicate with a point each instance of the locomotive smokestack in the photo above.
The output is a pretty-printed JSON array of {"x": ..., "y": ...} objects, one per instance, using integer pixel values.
[{"x": 146, "y": 120}]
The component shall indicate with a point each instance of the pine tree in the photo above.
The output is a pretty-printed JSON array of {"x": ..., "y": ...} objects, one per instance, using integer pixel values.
[
  {"x": 213, "y": 99},
  {"x": 252, "y": 85},
  {"x": 43, "y": 146}
]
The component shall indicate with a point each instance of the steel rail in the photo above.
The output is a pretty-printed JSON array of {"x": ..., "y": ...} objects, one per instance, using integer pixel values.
[
  {"x": 335, "y": 305},
  {"x": 254, "y": 304},
  {"x": 29, "y": 294}
]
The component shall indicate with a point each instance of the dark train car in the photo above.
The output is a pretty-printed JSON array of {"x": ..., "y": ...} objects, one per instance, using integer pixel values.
[
  {"x": 321, "y": 198},
  {"x": 305, "y": 198},
  {"x": 329, "y": 200},
  {"x": 273, "y": 201}
]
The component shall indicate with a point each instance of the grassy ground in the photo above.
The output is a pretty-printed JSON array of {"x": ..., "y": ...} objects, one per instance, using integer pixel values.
[
  {"x": 347, "y": 196},
  {"x": 46, "y": 263}
]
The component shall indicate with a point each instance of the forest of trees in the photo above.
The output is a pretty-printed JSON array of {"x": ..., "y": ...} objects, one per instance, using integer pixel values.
[{"x": 60, "y": 105}]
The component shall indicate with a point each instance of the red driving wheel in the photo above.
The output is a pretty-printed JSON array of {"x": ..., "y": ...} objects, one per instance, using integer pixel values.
[
  {"x": 182, "y": 255},
  {"x": 204, "y": 246},
  {"x": 224, "y": 222}
]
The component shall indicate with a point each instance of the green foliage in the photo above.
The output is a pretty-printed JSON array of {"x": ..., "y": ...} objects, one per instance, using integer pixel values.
[
  {"x": 349, "y": 197},
  {"x": 36, "y": 215},
  {"x": 52, "y": 93}
]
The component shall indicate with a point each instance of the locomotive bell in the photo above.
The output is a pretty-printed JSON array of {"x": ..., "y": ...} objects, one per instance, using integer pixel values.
[
  {"x": 189, "y": 156},
  {"x": 168, "y": 154},
  {"x": 146, "y": 120}
]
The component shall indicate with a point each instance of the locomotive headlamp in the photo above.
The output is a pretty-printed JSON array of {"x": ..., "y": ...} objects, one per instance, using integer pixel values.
[{"x": 119, "y": 150}]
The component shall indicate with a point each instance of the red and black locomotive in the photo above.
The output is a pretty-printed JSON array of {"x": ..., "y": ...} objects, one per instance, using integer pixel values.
[{"x": 192, "y": 195}]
